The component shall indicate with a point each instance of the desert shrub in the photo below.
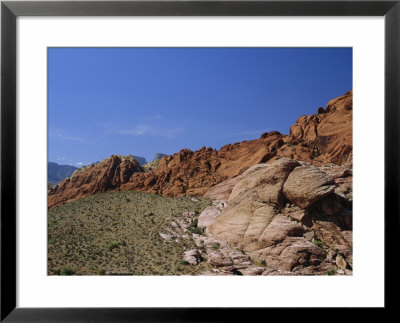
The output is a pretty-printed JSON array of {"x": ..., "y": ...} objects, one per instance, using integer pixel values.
[
  {"x": 318, "y": 243},
  {"x": 113, "y": 244},
  {"x": 331, "y": 272},
  {"x": 194, "y": 228},
  {"x": 66, "y": 271},
  {"x": 101, "y": 271},
  {"x": 184, "y": 263}
]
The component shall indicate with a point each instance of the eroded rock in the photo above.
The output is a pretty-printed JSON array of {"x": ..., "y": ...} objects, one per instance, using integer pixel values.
[
  {"x": 193, "y": 256},
  {"x": 306, "y": 185}
]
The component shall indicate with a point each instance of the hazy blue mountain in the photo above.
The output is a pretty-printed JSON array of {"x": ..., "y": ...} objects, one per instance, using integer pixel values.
[
  {"x": 57, "y": 173},
  {"x": 158, "y": 156},
  {"x": 140, "y": 160}
]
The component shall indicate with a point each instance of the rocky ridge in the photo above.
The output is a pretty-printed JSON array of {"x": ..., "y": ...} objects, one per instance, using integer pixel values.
[
  {"x": 320, "y": 139},
  {"x": 107, "y": 175},
  {"x": 268, "y": 223},
  {"x": 284, "y": 224}
]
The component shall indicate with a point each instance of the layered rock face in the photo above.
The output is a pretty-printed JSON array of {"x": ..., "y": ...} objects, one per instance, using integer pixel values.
[
  {"x": 326, "y": 137},
  {"x": 291, "y": 216},
  {"x": 107, "y": 175},
  {"x": 193, "y": 173},
  {"x": 320, "y": 139}
]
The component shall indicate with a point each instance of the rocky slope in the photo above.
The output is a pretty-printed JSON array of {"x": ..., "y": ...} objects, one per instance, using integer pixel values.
[
  {"x": 326, "y": 137},
  {"x": 288, "y": 215},
  {"x": 154, "y": 163},
  {"x": 322, "y": 138},
  {"x": 107, "y": 175},
  {"x": 194, "y": 172}
]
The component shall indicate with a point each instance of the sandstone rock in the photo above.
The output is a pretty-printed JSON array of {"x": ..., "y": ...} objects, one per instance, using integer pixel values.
[
  {"x": 194, "y": 173},
  {"x": 208, "y": 216},
  {"x": 309, "y": 235},
  {"x": 217, "y": 259},
  {"x": 334, "y": 236},
  {"x": 341, "y": 262},
  {"x": 239, "y": 258},
  {"x": 280, "y": 228},
  {"x": 166, "y": 236},
  {"x": 306, "y": 185},
  {"x": 193, "y": 256},
  {"x": 253, "y": 204},
  {"x": 294, "y": 212},
  {"x": 327, "y": 137},
  {"x": 223, "y": 190},
  {"x": 185, "y": 220},
  {"x": 107, "y": 175},
  {"x": 330, "y": 255},
  {"x": 290, "y": 253},
  {"x": 220, "y": 204},
  {"x": 318, "y": 139},
  {"x": 253, "y": 271},
  {"x": 251, "y": 220},
  {"x": 267, "y": 180},
  {"x": 336, "y": 171}
]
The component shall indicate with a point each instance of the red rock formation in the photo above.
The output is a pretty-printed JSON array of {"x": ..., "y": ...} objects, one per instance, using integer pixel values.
[
  {"x": 193, "y": 173},
  {"x": 322, "y": 138},
  {"x": 107, "y": 175}
]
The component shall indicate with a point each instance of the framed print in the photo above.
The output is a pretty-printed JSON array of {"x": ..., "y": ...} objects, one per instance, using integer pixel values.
[{"x": 164, "y": 159}]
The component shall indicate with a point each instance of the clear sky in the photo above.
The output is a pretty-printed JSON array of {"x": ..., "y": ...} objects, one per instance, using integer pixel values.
[{"x": 141, "y": 101}]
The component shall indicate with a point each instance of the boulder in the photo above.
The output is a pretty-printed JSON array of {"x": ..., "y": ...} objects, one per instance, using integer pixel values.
[
  {"x": 193, "y": 256},
  {"x": 340, "y": 262},
  {"x": 306, "y": 185},
  {"x": 253, "y": 271},
  {"x": 266, "y": 180},
  {"x": 253, "y": 203},
  {"x": 290, "y": 253},
  {"x": 218, "y": 259},
  {"x": 223, "y": 190},
  {"x": 208, "y": 216}
]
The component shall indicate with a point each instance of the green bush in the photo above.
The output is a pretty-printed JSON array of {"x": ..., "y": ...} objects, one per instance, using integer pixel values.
[
  {"x": 66, "y": 271},
  {"x": 114, "y": 244},
  {"x": 318, "y": 243},
  {"x": 184, "y": 262},
  {"x": 194, "y": 228},
  {"x": 102, "y": 271},
  {"x": 56, "y": 271}
]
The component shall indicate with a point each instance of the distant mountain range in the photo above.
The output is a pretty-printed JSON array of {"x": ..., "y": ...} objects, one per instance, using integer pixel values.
[
  {"x": 141, "y": 160},
  {"x": 57, "y": 173},
  {"x": 158, "y": 156}
]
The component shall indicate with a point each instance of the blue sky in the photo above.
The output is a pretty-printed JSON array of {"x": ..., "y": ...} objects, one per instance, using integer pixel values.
[{"x": 141, "y": 101}]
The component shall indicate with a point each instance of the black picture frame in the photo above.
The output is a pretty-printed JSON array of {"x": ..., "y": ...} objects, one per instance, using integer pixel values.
[{"x": 10, "y": 10}]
